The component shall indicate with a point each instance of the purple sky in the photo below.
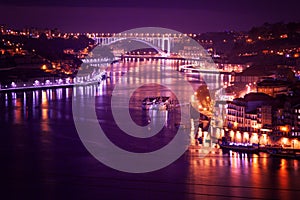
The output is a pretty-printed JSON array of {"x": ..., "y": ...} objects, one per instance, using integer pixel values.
[{"x": 119, "y": 15}]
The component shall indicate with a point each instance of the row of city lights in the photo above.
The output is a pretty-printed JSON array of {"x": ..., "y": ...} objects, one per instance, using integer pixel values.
[
  {"x": 38, "y": 83},
  {"x": 12, "y": 32}
]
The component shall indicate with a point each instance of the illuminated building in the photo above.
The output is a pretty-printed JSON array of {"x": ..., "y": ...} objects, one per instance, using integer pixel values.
[
  {"x": 245, "y": 114},
  {"x": 273, "y": 87}
]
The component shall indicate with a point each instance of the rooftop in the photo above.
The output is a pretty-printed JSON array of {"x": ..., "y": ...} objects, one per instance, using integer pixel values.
[
  {"x": 257, "y": 97},
  {"x": 273, "y": 82},
  {"x": 257, "y": 70}
]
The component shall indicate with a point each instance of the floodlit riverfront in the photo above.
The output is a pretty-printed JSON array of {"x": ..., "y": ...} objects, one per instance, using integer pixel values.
[{"x": 42, "y": 156}]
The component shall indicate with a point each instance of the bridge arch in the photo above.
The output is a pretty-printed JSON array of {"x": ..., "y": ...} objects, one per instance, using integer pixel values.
[{"x": 160, "y": 47}]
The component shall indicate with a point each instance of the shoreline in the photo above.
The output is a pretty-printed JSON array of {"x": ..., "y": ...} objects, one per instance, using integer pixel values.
[{"x": 35, "y": 87}]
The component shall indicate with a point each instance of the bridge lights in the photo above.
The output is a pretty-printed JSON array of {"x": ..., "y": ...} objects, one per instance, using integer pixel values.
[
  {"x": 13, "y": 84},
  {"x": 36, "y": 83},
  {"x": 47, "y": 82}
]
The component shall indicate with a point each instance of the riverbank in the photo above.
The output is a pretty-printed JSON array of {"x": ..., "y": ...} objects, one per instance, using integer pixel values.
[{"x": 15, "y": 89}]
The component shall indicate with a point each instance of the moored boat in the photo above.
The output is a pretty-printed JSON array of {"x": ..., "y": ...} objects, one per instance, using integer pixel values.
[
  {"x": 239, "y": 147},
  {"x": 267, "y": 148},
  {"x": 285, "y": 153},
  {"x": 155, "y": 103}
]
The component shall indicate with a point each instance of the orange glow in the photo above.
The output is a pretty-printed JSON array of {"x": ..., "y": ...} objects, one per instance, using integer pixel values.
[
  {"x": 18, "y": 113},
  {"x": 246, "y": 136},
  {"x": 284, "y": 36},
  {"x": 249, "y": 40},
  {"x": 232, "y": 134},
  {"x": 254, "y": 138},
  {"x": 235, "y": 124},
  {"x": 295, "y": 144},
  {"x": 284, "y": 128},
  {"x": 44, "y": 67},
  {"x": 264, "y": 139},
  {"x": 284, "y": 140}
]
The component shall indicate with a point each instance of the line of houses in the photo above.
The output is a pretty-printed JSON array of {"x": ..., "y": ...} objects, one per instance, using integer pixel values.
[{"x": 271, "y": 116}]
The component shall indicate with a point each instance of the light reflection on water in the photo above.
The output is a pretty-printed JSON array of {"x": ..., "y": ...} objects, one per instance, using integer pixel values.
[
  {"x": 238, "y": 175},
  {"x": 40, "y": 123},
  {"x": 18, "y": 107}
]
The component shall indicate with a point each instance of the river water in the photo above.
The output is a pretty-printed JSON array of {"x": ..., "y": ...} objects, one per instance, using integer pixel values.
[{"x": 42, "y": 156}]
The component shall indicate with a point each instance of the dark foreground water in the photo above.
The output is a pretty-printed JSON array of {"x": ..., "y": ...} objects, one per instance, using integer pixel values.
[{"x": 42, "y": 157}]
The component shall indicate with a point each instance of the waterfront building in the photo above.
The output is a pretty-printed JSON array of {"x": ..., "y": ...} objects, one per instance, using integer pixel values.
[
  {"x": 257, "y": 73},
  {"x": 295, "y": 128},
  {"x": 253, "y": 74},
  {"x": 245, "y": 119},
  {"x": 260, "y": 118},
  {"x": 246, "y": 113},
  {"x": 273, "y": 87}
]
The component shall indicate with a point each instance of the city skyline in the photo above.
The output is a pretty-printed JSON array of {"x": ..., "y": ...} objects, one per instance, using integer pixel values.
[
  {"x": 133, "y": 99},
  {"x": 118, "y": 16}
]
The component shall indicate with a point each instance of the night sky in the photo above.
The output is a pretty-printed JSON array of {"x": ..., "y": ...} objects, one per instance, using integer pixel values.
[{"x": 119, "y": 15}]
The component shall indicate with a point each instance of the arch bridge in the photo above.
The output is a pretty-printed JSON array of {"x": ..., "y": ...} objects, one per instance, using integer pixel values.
[{"x": 162, "y": 42}]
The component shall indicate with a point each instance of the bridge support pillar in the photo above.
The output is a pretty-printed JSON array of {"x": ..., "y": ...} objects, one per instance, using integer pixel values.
[
  {"x": 169, "y": 46},
  {"x": 163, "y": 44},
  {"x": 166, "y": 47}
]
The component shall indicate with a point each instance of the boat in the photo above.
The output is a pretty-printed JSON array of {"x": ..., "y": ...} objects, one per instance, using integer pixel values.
[
  {"x": 155, "y": 103},
  {"x": 239, "y": 147},
  {"x": 146, "y": 104},
  {"x": 158, "y": 106},
  {"x": 285, "y": 153},
  {"x": 267, "y": 148}
]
